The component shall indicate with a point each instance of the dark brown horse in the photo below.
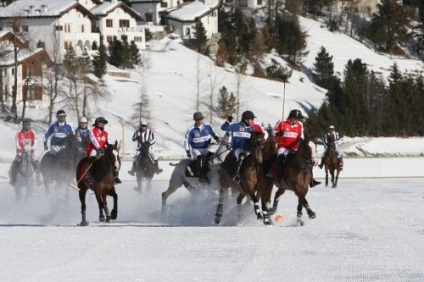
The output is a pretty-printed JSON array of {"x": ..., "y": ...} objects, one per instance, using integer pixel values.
[
  {"x": 252, "y": 180},
  {"x": 297, "y": 175},
  {"x": 145, "y": 168},
  {"x": 332, "y": 164},
  {"x": 102, "y": 171}
]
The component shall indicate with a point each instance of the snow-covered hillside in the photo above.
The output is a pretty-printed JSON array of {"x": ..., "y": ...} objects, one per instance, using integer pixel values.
[{"x": 175, "y": 73}]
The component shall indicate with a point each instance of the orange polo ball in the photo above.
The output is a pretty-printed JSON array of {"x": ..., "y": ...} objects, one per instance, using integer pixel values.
[{"x": 279, "y": 217}]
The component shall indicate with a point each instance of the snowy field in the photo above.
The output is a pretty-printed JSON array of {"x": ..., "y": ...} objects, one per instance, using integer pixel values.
[{"x": 368, "y": 229}]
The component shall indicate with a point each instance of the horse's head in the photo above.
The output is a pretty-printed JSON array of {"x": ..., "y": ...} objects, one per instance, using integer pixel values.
[
  {"x": 112, "y": 155},
  {"x": 256, "y": 137},
  {"x": 144, "y": 148},
  {"x": 27, "y": 151},
  {"x": 256, "y": 140},
  {"x": 270, "y": 146}
]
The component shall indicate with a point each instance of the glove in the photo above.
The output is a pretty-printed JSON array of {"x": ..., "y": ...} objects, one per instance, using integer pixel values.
[
  {"x": 45, "y": 146},
  {"x": 188, "y": 154},
  {"x": 230, "y": 118},
  {"x": 100, "y": 152}
]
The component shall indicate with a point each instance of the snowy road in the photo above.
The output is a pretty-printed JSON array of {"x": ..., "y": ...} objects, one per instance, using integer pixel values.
[{"x": 365, "y": 230}]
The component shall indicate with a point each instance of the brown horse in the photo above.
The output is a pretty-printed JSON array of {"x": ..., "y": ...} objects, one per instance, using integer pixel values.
[
  {"x": 102, "y": 170},
  {"x": 145, "y": 168},
  {"x": 333, "y": 164},
  {"x": 252, "y": 179},
  {"x": 297, "y": 175}
]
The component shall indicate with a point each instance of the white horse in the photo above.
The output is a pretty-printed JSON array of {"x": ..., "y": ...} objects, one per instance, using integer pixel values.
[
  {"x": 184, "y": 175},
  {"x": 25, "y": 173}
]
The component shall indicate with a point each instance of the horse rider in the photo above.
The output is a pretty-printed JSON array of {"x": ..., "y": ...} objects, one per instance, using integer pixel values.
[
  {"x": 240, "y": 138},
  {"x": 82, "y": 133},
  {"x": 332, "y": 136},
  {"x": 289, "y": 133},
  {"x": 57, "y": 132},
  {"x": 142, "y": 135},
  {"x": 313, "y": 146},
  {"x": 99, "y": 139},
  {"x": 26, "y": 136},
  {"x": 197, "y": 141}
]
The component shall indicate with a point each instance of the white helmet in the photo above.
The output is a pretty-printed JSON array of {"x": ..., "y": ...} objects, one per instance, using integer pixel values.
[
  {"x": 331, "y": 127},
  {"x": 143, "y": 123},
  {"x": 83, "y": 119}
]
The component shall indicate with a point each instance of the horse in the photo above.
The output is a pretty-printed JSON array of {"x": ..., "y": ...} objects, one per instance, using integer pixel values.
[
  {"x": 145, "y": 167},
  {"x": 252, "y": 180},
  {"x": 297, "y": 175},
  {"x": 25, "y": 172},
  {"x": 183, "y": 173},
  {"x": 59, "y": 168},
  {"x": 332, "y": 163},
  {"x": 102, "y": 170}
]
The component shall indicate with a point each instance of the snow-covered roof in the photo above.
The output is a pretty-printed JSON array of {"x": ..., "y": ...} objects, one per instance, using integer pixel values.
[
  {"x": 23, "y": 54},
  {"x": 107, "y": 7},
  {"x": 38, "y": 8},
  {"x": 190, "y": 11}
]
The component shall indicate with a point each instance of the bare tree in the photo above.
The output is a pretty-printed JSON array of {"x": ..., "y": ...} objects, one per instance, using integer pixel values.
[
  {"x": 240, "y": 78},
  {"x": 142, "y": 108},
  {"x": 213, "y": 83}
]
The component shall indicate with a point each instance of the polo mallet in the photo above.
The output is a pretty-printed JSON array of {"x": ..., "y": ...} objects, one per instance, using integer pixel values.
[{"x": 85, "y": 172}]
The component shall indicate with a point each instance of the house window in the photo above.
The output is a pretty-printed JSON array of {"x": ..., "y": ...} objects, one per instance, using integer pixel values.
[
  {"x": 109, "y": 39},
  {"x": 13, "y": 71},
  {"x": 82, "y": 28},
  {"x": 59, "y": 27},
  {"x": 214, "y": 12},
  {"x": 109, "y": 23},
  {"x": 164, "y": 5},
  {"x": 124, "y": 23},
  {"x": 30, "y": 71},
  {"x": 187, "y": 31},
  {"x": 68, "y": 28},
  {"x": 138, "y": 39},
  {"x": 24, "y": 28},
  {"x": 67, "y": 44},
  {"x": 149, "y": 17},
  {"x": 124, "y": 37},
  {"x": 259, "y": 3}
]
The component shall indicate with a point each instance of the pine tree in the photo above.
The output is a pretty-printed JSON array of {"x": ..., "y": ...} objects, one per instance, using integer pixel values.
[
  {"x": 99, "y": 60},
  {"x": 126, "y": 55},
  {"x": 200, "y": 38},
  {"x": 115, "y": 52},
  {"x": 135, "y": 56},
  {"x": 323, "y": 68}
]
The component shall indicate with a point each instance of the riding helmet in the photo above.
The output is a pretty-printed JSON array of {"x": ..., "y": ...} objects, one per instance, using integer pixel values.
[
  {"x": 247, "y": 115},
  {"x": 331, "y": 127},
  {"x": 198, "y": 115},
  {"x": 143, "y": 123},
  {"x": 100, "y": 119},
  {"x": 60, "y": 113},
  {"x": 83, "y": 119},
  {"x": 26, "y": 121},
  {"x": 295, "y": 114}
]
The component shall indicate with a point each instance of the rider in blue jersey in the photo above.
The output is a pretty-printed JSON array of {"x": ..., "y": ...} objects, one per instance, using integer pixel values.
[{"x": 57, "y": 132}]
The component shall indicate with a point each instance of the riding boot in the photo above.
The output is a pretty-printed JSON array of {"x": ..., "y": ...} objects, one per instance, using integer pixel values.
[
  {"x": 322, "y": 162},
  {"x": 158, "y": 170},
  {"x": 238, "y": 166},
  {"x": 132, "y": 171},
  {"x": 199, "y": 169},
  {"x": 116, "y": 174},
  {"x": 90, "y": 178},
  {"x": 280, "y": 167}
]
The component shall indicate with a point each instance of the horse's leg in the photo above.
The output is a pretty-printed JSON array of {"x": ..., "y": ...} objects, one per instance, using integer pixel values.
[
  {"x": 114, "y": 212},
  {"x": 326, "y": 175},
  {"x": 139, "y": 182},
  {"x": 220, "y": 207},
  {"x": 101, "y": 205},
  {"x": 310, "y": 212},
  {"x": 240, "y": 198},
  {"x": 171, "y": 189},
  {"x": 332, "y": 177},
  {"x": 266, "y": 198},
  {"x": 337, "y": 177},
  {"x": 277, "y": 196},
  {"x": 106, "y": 208},
  {"x": 82, "y": 193},
  {"x": 299, "y": 210}
]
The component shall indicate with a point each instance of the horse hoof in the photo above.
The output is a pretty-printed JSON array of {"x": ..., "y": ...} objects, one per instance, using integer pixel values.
[
  {"x": 267, "y": 221},
  {"x": 84, "y": 223},
  {"x": 312, "y": 215},
  {"x": 218, "y": 219},
  {"x": 114, "y": 214},
  {"x": 137, "y": 189}
]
